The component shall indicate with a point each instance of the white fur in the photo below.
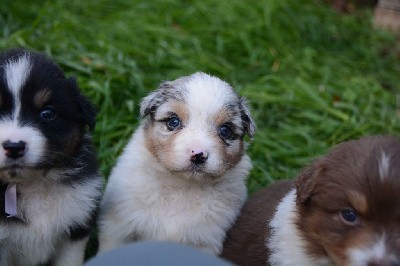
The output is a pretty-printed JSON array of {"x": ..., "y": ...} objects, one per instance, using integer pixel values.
[
  {"x": 17, "y": 72},
  {"x": 49, "y": 207},
  {"x": 286, "y": 244},
  {"x": 145, "y": 201},
  {"x": 34, "y": 139},
  {"x": 377, "y": 252},
  {"x": 384, "y": 166},
  {"x": 71, "y": 252}
]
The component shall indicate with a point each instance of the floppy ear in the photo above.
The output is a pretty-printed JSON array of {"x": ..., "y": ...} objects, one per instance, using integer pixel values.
[
  {"x": 89, "y": 112},
  {"x": 151, "y": 102},
  {"x": 248, "y": 122},
  {"x": 306, "y": 180},
  {"x": 87, "y": 108}
]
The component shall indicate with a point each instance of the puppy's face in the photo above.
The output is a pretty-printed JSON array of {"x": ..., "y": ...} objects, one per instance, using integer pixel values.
[
  {"x": 42, "y": 115},
  {"x": 349, "y": 203},
  {"x": 196, "y": 126}
]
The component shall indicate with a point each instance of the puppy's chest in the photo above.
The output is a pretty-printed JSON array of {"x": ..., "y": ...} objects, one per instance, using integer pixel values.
[
  {"x": 44, "y": 207},
  {"x": 170, "y": 212}
]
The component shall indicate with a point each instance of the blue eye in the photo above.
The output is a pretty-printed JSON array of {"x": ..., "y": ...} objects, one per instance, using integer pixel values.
[
  {"x": 173, "y": 123},
  {"x": 349, "y": 216},
  {"x": 225, "y": 132},
  {"x": 48, "y": 113}
]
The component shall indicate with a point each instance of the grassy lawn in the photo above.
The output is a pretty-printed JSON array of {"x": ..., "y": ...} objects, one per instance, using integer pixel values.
[{"x": 314, "y": 77}]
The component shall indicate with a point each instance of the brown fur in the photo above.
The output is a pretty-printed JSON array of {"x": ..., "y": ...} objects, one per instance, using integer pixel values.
[
  {"x": 161, "y": 145},
  {"x": 41, "y": 98},
  {"x": 346, "y": 178},
  {"x": 352, "y": 166},
  {"x": 245, "y": 241}
]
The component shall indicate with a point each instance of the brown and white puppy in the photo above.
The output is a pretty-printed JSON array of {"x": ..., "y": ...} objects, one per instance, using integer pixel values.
[
  {"x": 182, "y": 176},
  {"x": 344, "y": 209}
]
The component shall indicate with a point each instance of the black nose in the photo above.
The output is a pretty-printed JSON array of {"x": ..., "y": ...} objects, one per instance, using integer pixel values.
[
  {"x": 14, "y": 150},
  {"x": 199, "y": 158}
]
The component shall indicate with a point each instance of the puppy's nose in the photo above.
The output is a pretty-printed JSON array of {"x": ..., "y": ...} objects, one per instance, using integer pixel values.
[
  {"x": 199, "y": 156},
  {"x": 14, "y": 150}
]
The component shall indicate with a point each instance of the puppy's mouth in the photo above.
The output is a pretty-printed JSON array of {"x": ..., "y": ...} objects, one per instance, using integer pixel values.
[{"x": 195, "y": 168}]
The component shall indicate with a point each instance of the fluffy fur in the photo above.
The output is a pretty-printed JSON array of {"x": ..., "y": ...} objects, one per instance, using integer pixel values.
[
  {"x": 343, "y": 209},
  {"x": 48, "y": 156},
  {"x": 182, "y": 176}
]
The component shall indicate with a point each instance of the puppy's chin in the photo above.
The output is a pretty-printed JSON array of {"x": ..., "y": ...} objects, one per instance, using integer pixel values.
[
  {"x": 18, "y": 174},
  {"x": 196, "y": 173}
]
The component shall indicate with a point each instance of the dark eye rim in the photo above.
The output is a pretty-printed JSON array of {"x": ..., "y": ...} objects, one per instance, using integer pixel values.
[
  {"x": 231, "y": 133},
  {"x": 48, "y": 107},
  {"x": 353, "y": 220}
]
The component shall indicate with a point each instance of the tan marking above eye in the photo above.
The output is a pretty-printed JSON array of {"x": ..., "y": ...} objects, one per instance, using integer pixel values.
[
  {"x": 358, "y": 201},
  {"x": 41, "y": 98},
  {"x": 222, "y": 117}
]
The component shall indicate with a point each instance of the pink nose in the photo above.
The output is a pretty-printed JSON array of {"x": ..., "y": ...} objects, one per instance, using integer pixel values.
[{"x": 199, "y": 156}]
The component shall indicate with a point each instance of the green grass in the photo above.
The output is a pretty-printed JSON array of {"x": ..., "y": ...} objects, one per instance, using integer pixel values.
[{"x": 314, "y": 77}]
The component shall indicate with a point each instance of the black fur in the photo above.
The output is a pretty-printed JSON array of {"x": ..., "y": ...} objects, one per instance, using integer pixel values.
[{"x": 69, "y": 148}]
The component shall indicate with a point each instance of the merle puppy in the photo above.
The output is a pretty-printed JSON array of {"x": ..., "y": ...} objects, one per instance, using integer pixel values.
[
  {"x": 182, "y": 175},
  {"x": 50, "y": 185}
]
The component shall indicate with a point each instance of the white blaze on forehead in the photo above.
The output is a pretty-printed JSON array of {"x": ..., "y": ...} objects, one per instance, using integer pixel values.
[
  {"x": 17, "y": 72},
  {"x": 384, "y": 166},
  {"x": 207, "y": 95}
]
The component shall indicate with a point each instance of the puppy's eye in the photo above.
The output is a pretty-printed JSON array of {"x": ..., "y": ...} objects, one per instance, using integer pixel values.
[
  {"x": 349, "y": 216},
  {"x": 173, "y": 123},
  {"x": 48, "y": 113},
  {"x": 225, "y": 132}
]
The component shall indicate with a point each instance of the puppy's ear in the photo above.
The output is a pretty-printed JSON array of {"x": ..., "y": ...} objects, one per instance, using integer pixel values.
[
  {"x": 87, "y": 108},
  {"x": 151, "y": 102},
  {"x": 89, "y": 112},
  {"x": 248, "y": 122},
  {"x": 306, "y": 180}
]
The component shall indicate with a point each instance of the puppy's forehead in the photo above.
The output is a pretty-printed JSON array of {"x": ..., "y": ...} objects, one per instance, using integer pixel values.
[
  {"x": 368, "y": 171},
  {"x": 16, "y": 72},
  {"x": 207, "y": 92}
]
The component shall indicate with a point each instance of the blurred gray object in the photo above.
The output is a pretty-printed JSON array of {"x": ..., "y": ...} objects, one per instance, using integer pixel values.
[
  {"x": 151, "y": 253},
  {"x": 387, "y": 15}
]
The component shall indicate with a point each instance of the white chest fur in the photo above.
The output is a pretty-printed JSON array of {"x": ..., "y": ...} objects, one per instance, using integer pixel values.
[
  {"x": 143, "y": 202},
  {"x": 286, "y": 244},
  {"x": 47, "y": 208}
]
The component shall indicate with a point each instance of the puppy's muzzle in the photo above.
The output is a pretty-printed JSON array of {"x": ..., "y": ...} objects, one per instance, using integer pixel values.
[
  {"x": 14, "y": 150},
  {"x": 199, "y": 156}
]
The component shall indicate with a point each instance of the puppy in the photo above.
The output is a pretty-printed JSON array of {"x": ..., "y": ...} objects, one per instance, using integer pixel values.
[
  {"x": 50, "y": 185},
  {"x": 182, "y": 176},
  {"x": 344, "y": 209}
]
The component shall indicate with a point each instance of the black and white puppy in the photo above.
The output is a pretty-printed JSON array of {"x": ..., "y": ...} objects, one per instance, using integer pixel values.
[
  {"x": 50, "y": 185},
  {"x": 182, "y": 176}
]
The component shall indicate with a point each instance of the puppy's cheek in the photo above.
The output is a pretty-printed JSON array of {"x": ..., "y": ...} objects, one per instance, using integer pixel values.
[
  {"x": 367, "y": 247},
  {"x": 232, "y": 154},
  {"x": 72, "y": 141},
  {"x": 35, "y": 142},
  {"x": 174, "y": 152},
  {"x": 162, "y": 145},
  {"x": 36, "y": 147}
]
